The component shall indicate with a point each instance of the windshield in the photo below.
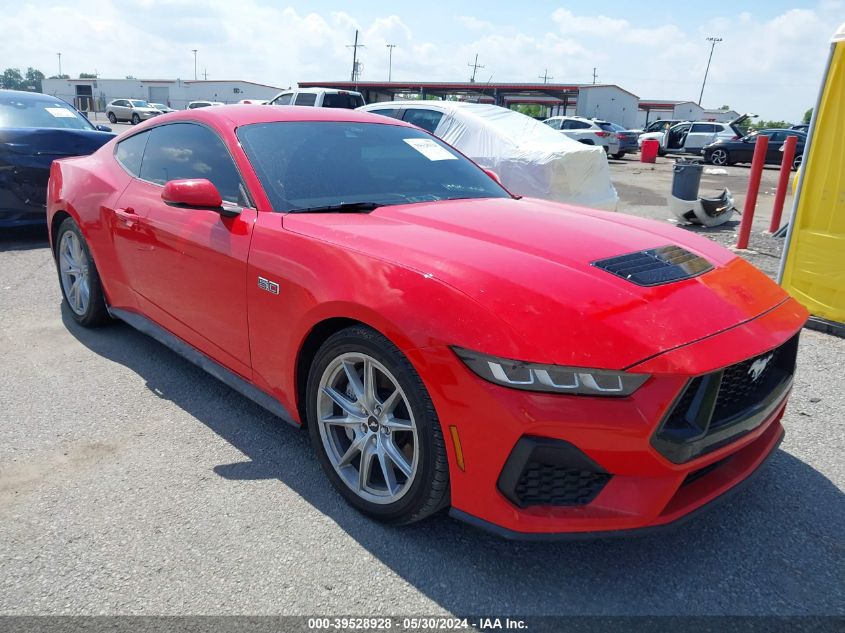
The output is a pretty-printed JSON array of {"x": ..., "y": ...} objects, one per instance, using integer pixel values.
[
  {"x": 307, "y": 164},
  {"x": 40, "y": 113},
  {"x": 140, "y": 104}
]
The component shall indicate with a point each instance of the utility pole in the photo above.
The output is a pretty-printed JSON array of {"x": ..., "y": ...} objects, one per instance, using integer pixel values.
[
  {"x": 545, "y": 76},
  {"x": 195, "y": 64},
  {"x": 60, "y": 64},
  {"x": 390, "y": 48},
  {"x": 205, "y": 74},
  {"x": 595, "y": 76},
  {"x": 713, "y": 41},
  {"x": 355, "y": 47},
  {"x": 475, "y": 66}
]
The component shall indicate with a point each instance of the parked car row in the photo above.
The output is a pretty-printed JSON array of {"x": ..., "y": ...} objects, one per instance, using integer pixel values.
[{"x": 615, "y": 139}]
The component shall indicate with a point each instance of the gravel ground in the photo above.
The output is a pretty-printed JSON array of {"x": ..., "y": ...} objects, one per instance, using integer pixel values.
[{"x": 133, "y": 483}]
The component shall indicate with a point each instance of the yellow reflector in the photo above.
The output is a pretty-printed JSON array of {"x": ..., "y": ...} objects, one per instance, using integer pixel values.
[{"x": 459, "y": 452}]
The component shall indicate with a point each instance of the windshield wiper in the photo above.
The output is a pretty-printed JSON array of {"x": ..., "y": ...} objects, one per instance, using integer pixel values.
[{"x": 344, "y": 207}]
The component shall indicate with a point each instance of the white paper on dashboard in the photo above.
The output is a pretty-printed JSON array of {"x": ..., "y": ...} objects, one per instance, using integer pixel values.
[
  {"x": 430, "y": 149},
  {"x": 61, "y": 113}
]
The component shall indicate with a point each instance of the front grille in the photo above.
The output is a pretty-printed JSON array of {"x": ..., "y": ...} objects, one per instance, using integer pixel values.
[
  {"x": 550, "y": 485},
  {"x": 716, "y": 408},
  {"x": 542, "y": 471},
  {"x": 656, "y": 266}
]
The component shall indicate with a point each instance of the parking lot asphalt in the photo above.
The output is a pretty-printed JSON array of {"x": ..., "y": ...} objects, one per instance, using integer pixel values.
[{"x": 133, "y": 483}]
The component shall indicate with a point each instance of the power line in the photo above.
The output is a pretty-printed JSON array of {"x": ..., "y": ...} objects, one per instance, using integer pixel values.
[
  {"x": 713, "y": 41},
  {"x": 475, "y": 66}
]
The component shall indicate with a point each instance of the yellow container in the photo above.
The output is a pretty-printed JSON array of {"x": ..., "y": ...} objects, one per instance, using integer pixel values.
[{"x": 813, "y": 264}]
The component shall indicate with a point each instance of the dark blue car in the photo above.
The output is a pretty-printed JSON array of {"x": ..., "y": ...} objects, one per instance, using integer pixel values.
[{"x": 36, "y": 129}]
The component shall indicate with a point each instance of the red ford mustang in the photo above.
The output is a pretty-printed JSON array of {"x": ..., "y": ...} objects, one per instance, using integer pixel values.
[{"x": 541, "y": 369}]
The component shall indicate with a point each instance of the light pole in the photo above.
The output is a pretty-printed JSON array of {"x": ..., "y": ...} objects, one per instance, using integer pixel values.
[
  {"x": 390, "y": 48},
  {"x": 713, "y": 41},
  {"x": 195, "y": 64},
  {"x": 60, "y": 64}
]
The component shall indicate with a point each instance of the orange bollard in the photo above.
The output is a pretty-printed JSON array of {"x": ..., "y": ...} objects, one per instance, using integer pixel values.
[
  {"x": 783, "y": 181},
  {"x": 757, "y": 164}
]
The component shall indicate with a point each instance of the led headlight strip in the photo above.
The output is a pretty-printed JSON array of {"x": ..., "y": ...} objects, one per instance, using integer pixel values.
[{"x": 551, "y": 378}]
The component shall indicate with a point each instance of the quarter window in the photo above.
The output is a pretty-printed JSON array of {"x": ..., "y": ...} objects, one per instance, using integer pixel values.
[
  {"x": 305, "y": 99},
  {"x": 130, "y": 152},
  {"x": 426, "y": 119},
  {"x": 185, "y": 150}
]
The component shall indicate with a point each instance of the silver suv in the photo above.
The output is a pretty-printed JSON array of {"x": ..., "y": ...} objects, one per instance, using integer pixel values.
[
  {"x": 133, "y": 110},
  {"x": 588, "y": 131}
]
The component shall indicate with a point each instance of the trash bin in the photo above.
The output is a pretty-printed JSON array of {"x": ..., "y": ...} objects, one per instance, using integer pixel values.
[
  {"x": 686, "y": 178},
  {"x": 648, "y": 152}
]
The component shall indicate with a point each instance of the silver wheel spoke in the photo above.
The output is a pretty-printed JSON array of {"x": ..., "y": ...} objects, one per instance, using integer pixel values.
[
  {"x": 354, "y": 380},
  {"x": 354, "y": 448},
  {"x": 387, "y": 472},
  {"x": 396, "y": 456},
  {"x": 341, "y": 420},
  {"x": 397, "y": 424},
  {"x": 391, "y": 401},
  {"x": 342, "y": 401},
  {"x": 367, "y": 455}
]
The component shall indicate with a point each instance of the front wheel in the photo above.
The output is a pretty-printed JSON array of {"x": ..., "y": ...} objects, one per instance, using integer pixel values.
[
  {"x": 78, "y": 277},
  {"x": 136, "y": 119},
  {"x": 796, "y": 162},
  {"x": 374, "y": 428}
]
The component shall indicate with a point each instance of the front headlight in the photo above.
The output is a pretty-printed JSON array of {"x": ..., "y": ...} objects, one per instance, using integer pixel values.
[{"x": 551, "y": 378}]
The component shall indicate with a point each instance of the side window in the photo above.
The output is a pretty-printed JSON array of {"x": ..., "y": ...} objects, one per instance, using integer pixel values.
[
  {"x": 186, "y": 150},
  {"x": 283, "y": 99},
  {"x": 577, "y": 125},
  {"x": 701, "y": 127},
  {"x": 553, "y": 123},
  {"x": 391, "y": 112},
  {"x": 130, "y": 152},
  {"x": 426, "y": 119},
  {"x": 305, "y": 99},
  {"x": 776, "y": 137}
]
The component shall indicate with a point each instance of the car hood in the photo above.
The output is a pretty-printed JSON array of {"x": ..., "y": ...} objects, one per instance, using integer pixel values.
[
  {"x": 47, "y": 144},
  {"x": 530, "y": 263}
]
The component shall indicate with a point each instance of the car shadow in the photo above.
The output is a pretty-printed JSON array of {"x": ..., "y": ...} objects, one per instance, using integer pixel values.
[
  {"x": 23, "y": 238},
  {"x": 760, "y": 552}
]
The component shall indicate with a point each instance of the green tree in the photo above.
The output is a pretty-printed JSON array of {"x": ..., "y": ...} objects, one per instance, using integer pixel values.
[
  {"x": 807, "y": 116},
  {"x": 87, "y": 76},
  {"x": 59, "y": 77},
  {"x": 33, "y": 79},
  {"x": 725, "y": 107},
  {"x": 532, "y": 110},
  {"x": 12, "y": 79}
]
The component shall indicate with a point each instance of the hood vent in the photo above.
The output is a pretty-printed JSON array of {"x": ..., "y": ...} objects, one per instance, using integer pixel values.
[{"x": 656, "y": 266}]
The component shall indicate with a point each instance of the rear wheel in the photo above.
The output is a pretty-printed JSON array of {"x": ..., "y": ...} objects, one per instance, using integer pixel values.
[
  {"x": 374, "y": 428},
  {"x": 136, "y": 119},
  {"x": 112, "y": 117},
  {"x": 78, "y": 277},
  {"x": 796, "y": 162},
  {"x": 619, "y": 155},
  {"x": 719, "y": 157}
]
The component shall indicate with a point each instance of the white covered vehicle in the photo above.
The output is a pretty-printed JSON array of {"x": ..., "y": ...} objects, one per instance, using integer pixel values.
[{"x": 530, "y": 158}]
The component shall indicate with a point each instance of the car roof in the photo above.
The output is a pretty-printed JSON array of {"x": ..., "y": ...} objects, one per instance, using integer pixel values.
[
  {"x": 25, "y": 95},
  {"x": 238, "y": 114}
]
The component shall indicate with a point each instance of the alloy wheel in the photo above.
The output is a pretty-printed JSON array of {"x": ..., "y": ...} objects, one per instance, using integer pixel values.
[
  {"x": 367, "y": 428},
  {"x": 719, "y": 157},
  {"x": 73, "y": 268}
]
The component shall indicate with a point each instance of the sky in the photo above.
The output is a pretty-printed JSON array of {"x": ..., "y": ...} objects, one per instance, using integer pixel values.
[{"x": 770, "y": 60}]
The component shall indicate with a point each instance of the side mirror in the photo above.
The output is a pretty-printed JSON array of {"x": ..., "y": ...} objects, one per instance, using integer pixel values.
[
  {"x": 104, "y": 128},
  {"x": 493, "y": 175},
  {"x": 195, "y": 192}
]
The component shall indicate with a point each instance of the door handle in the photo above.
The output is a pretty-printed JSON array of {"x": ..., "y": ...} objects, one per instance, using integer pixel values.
[{"x": 127, "y": 216}]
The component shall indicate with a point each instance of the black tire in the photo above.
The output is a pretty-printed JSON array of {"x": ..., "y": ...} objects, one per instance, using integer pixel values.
[
  {"x": 96, "y": 313},
  {"x": 429, "y": 488},
  {"x": 136, "y": 119},
  {"x": 619, "y": 155},
  {"x": 661, "y": 152},
  {"x": 112, "y": 117},
  {"x": 796, "y": 162}
]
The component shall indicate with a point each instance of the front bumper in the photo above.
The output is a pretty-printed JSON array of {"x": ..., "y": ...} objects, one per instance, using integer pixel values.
[{"x": 645, "y": 489}]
